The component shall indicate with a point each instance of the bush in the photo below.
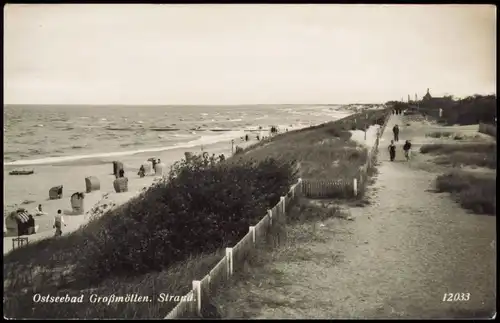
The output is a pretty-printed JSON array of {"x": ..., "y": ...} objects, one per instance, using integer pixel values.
[
  {"x": 439, "y": 134},
  {"x": 473, "y": 192},
  {"x": 467, "y": 111},
  {"x": 484, "y": 148},
  {"x": 459, "y": 158},
  {"x": 202, "y": 207}
]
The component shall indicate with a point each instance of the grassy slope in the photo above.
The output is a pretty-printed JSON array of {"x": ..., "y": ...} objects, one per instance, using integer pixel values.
[
  {"x": 325, "y": 151},
  {"x": 475, "y": 191}
]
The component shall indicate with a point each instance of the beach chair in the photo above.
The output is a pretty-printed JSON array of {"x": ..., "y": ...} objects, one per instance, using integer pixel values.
[
  {"x": 77, "y": 204},
  {"x": 116, "y": 167},
  {"x": 148, "y": 167},
  {"x": 121, "y": 184},
  {"x": 159, "y": 169},
  {"x": 56, "y": 192},
  {"x": 92, "y": 184}
]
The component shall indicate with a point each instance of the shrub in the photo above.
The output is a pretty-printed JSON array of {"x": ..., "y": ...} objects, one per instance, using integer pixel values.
[
  {"x": 473, "y": 192},
  {"x": 439, "y": 134},
  {"x": 485, "y": 148},
  {"x": 459, "y": 158},
  {"x": 467, "y": 111},
  {"x": 202, "y": 207}
]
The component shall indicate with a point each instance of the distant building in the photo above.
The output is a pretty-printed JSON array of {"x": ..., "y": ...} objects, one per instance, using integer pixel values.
[{"x": 427, "y": 96}]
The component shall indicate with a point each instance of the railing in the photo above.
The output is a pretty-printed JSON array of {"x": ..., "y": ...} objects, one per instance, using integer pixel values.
[
  {"x": 234, "y": 258},
  {"x": 488, "y": 129},
  {"x": 343, "y": 187}
]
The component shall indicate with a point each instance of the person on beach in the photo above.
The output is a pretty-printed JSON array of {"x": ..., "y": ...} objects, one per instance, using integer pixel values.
[
  {"x": 39, "y": 211},
  {"x": 59, "y": 222},
  {"x": 153, "y": 160},
  {"x": 395, "y": 130},
  {"x": 392, "y": 150},
  {"x": 406, "y": 149},
  {"x": 142, "y": 172},
  {"x": 246, "y": 137}
]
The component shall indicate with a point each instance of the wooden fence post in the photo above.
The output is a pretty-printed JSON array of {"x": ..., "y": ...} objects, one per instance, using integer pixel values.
[
  {"x": 282, "y": 200},
  {"x": 197, "y": 295},
  {"x": 251, "y": 229},
  {"x": 270, "y": 213},
  {"x": 229, "y": 264},
  {"x": 355, "y": 184}
]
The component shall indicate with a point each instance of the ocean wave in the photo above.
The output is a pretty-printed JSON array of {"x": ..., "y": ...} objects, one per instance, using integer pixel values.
[
  {"x": 204, "y": 140},
  {"x": 120, "y": 128},
  {"x": 164, "y": 129}
]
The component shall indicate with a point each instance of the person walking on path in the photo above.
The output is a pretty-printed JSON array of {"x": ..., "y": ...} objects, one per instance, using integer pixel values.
[
  {"x": 392, "y": 150},
  {"x": 395, "y": 130},
  {"x": 406, "y": 149},
  {"x": 58, "y": 222}
]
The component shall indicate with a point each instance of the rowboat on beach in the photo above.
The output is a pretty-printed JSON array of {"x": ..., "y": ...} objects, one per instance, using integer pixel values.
[{"x": 22, "y": 172}]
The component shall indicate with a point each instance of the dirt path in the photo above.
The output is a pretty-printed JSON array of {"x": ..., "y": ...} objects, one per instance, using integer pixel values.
[{"x": 396, "y": 259}]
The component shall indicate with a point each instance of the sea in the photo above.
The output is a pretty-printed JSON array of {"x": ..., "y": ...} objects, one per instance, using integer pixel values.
[{"x": 41, "y": 134}]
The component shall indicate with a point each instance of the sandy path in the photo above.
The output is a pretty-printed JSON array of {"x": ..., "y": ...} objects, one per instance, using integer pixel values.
[
  {"x": 395, "y": 260},
  {"x": 367, "y": 139}
]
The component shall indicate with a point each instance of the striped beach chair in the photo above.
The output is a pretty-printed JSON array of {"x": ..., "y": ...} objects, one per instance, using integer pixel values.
[{"x": 22, "y": 216}]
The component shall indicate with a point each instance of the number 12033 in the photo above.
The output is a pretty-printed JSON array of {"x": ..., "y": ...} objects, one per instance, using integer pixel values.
[{"x": 456, "y": 297}]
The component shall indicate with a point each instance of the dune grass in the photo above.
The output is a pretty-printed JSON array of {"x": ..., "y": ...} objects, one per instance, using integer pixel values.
[
  {"x": 457, "y": 154},
  {"x": 88, "y": 260},
  {"x": 324, "y": 151},
  {"x": 475, "y": 192},
  {"x": 439, "y": 134},
  {"x": 242, "y": 299}
]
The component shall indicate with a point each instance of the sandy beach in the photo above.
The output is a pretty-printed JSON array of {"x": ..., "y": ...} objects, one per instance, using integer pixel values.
[{"x": 33, "y": 189}]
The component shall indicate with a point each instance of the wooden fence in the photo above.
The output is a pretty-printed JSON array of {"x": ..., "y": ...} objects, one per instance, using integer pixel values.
[
  {"x": 235, "y": 256},
  {"x": 233, "y": 260},
  {"x": 344, "y": 187},
  {"x": 488, "y": 129}
]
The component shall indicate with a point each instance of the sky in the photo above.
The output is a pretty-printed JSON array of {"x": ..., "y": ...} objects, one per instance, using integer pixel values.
[{"x": 138, "y": 54}]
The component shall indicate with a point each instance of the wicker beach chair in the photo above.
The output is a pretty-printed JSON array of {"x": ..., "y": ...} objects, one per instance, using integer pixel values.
[
  {"x": 121, "y": 184},
  {"x": 92, "y": 184},
  {"x": 56, "y": 192}
]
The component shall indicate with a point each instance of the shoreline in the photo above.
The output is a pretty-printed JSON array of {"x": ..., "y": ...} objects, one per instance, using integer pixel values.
[{"x": 74, "y": 182}]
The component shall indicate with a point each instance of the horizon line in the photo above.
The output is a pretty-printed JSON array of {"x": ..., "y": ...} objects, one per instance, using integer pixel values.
[{"x": 189, "y": 105}]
